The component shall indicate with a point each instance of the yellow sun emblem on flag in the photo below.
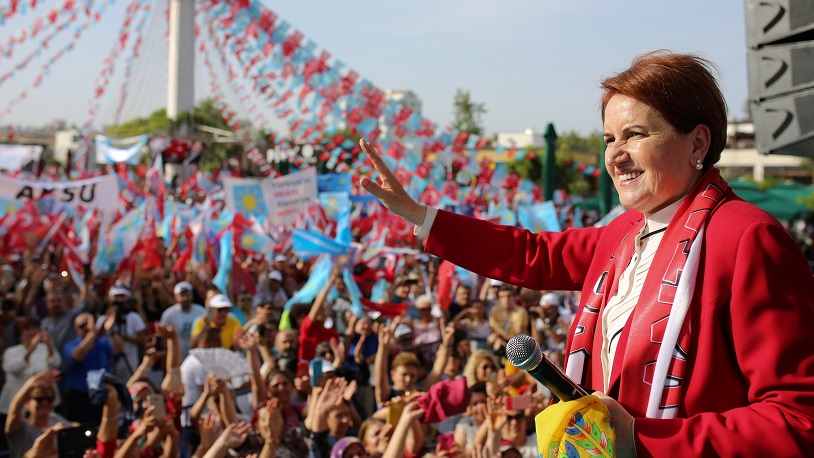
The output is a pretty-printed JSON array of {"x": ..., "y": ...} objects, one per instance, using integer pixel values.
[{"x": 249, "y": 200}]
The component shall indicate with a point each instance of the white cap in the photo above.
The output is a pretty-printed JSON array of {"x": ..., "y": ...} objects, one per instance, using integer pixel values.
[
  {"x": 423, "y": 301},
  {"x": 401, "y": 331},
  {"x": 326, "y": 367},
  {"x": 119, "y": 291},
  {"x": 493, "y": 282},
  {"x": 219, "y": 301},
  {"x": 550, "y": 299},
  {"x": 180, "y": 287},
  {"x": 280, "y": 258},
  {"x": 275, "y": 275}
]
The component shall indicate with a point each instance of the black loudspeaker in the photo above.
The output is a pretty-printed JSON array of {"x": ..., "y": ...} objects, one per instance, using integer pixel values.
[{"x": 780, "y": 36}]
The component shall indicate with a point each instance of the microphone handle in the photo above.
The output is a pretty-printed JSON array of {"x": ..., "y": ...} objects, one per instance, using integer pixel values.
[{"x": 555, "y": 380}]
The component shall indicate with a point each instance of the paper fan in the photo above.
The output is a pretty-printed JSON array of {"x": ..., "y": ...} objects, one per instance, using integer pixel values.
[{"x": 222, "y": 363}]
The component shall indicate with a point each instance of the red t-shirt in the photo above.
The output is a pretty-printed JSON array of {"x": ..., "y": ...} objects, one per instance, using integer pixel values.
[{"x": 311, "y": 334}]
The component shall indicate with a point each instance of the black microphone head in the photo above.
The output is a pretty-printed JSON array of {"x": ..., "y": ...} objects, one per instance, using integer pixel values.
[{"x": 523, "y": 352}]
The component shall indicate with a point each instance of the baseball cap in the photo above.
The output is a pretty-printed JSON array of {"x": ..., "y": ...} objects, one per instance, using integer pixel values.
[
  {"x": 275, "y": 275},
  {"x": 219, "y": 301},
  {"x": 401, "y": 331},
  {"x": 280, "y": 258},
  {"x": 423, "y": 301},
  {"x": 493, "y": 282},
  {"x": 326, "y": 367},
  {"x": 119, "y": 291},
  {"x": 550, "y": 299},
  {"x": 180, "y": 287}
]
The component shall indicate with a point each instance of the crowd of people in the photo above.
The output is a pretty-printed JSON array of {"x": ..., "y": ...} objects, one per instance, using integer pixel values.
[
  {"x": 428, "y": 382},
  {"x": 684, "y": 318}
]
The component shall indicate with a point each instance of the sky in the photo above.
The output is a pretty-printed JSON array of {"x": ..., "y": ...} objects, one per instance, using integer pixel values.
[{"x": 529, "y": 62}]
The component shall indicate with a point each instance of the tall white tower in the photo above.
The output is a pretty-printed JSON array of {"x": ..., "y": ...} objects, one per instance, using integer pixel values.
[{"x": 181, "y": 65}]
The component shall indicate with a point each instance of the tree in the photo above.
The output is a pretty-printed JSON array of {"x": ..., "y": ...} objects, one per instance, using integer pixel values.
[
  {"x": 155, "y": 123},
  {"x": 572, "y": 142},
  {"x": 205, "y": 113},
  {"x": 467, "y": 113}
]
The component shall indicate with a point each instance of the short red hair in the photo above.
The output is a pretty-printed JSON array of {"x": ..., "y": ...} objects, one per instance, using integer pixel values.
[{"x": 681, "y": 87}]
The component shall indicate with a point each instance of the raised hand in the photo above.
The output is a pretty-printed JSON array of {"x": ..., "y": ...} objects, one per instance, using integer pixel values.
[
  {"x": 210, "y": 428},
  {"x": 148, "y": 422},
  {"x": 386, "y": 338},
  {"x": 270, "y": 422},
  {"x": 332, "y": 394},
  {"x": 383, "y": 437},
  {"x": 168, "y": 332},
  {"x": 411, "y": 412},
  {"x": 448, "y": 336},
  {"x": 46, "y": 378},
  {"x": 46, "y": 443},
  {"x": 389, "y": 191},
  {"x": 110, "y": 320},
  {"x": 338, "y": 349},
  {"x": 495, "y": 412},
  {"x": 244, "y": 341},
  {"x": 235, "y": 434},
  {"x": 348, "y": 392}
]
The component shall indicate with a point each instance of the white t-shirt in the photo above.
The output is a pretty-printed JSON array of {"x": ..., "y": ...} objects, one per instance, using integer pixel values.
[
  {"x": 193, "y": 376},
  {"x": 133, "y": 324},
  {"x": 182, "y": 322}
]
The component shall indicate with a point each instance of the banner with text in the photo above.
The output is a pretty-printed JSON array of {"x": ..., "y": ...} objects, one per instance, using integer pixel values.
[
  {"x": 281, "y": 200},
  {"x": 100, "y": 193},
  {"x": 20, "y": 157}
]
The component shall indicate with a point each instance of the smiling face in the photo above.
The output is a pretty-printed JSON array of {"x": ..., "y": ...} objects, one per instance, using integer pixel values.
[
  {"x": 280, "y": 387},
  {"x": 514, "y": 430},
  {"x": 651, "y": 163}
]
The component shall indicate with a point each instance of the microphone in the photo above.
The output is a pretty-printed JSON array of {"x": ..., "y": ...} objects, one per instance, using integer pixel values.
[{"x": 524, "y": 353}]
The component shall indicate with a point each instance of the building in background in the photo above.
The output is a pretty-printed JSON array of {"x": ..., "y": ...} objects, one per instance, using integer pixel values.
[
  {"x": 405, "y": 97},
  {"x": 526, "y": 139},
  {"x": 64, "y": 141},
  {"x": 741, "y": 158}
]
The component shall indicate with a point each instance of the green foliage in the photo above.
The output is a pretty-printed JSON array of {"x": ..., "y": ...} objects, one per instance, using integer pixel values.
[
  {"x": 530, "y": 169},
  {"x": 567, "y": 176},
  {"x": 157, "y": 122},
  {"x": 205, "y": 113},
  {"x": 467, "y": 113},
  {"x": 572, "y": 142}
]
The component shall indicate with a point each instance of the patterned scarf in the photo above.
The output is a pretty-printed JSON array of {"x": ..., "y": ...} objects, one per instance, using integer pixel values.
[{"x": 656, "y": 351}]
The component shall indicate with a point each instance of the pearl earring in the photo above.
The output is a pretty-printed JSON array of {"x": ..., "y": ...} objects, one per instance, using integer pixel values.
[{"x": 698, "y": 164}]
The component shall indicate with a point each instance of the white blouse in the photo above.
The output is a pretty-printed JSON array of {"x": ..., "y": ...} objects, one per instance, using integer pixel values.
[{"x": 18, "y": 370}]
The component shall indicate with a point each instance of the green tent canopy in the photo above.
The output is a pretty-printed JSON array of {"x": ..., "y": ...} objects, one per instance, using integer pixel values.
[
  {"x": 792, "y": 191},
  {"x": 781, "y": 208}
]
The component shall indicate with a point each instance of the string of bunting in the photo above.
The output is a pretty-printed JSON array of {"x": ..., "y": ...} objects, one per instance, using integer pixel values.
[
  {"x": 38, "y": 26},
  {"x": 39, "y": 48},
  {"x": 37, "y": 81},
  {"x": 138, "y": 41},
  {"x": 16, "y": 7}
]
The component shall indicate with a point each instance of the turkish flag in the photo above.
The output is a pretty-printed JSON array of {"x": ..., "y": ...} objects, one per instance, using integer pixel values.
[{"x": 446, "y": 272}]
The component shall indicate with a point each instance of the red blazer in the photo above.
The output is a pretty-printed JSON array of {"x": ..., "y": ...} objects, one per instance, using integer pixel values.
[{"x": 750, "y": 376}]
